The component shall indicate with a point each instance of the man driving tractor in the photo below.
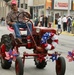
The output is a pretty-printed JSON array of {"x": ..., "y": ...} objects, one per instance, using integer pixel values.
[{"x": 12, "y": 20}]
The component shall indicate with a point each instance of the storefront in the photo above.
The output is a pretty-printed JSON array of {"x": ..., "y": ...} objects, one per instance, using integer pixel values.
[
  {"x": 36, "y": 8},
  {"x": 36, "y": 11},
  {"x": 61, "y": 8}
]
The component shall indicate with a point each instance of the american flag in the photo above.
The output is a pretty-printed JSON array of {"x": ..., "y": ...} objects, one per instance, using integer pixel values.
[
  {"x": 70, "y": 56},
  {"x": 54, "y": 57},
  {"x": 11, "y": 54},
  {"x": 45, "y": 37}
]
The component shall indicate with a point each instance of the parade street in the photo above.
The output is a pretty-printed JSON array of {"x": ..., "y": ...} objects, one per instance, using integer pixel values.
[{"x": 66, "y": 43}]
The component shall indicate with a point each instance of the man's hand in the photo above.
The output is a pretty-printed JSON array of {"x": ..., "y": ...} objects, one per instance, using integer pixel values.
[
  {"x": 28, "y": 15},
  {"x": 11, "y": 23},
  {"x": 26, "y": 19}
]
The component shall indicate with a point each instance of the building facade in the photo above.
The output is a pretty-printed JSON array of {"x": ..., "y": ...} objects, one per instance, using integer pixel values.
[
  {"x": 4, "y": 8},
  {"x": 50, "y": 8}
]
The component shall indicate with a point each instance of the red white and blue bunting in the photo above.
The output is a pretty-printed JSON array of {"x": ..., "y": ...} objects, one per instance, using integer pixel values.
[
  {"x": 70, "y": 56},
  {"x": 47, "y": 36}
]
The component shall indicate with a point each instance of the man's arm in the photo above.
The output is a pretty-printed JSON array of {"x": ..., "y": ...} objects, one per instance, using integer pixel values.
[
  {"x": 26, "y": 13},
  {"x": 8, "y": 20}
]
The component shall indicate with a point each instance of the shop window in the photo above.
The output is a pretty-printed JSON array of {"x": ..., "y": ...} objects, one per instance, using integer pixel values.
[
  {"x": 25, "y": 6},
  {"x": 31, "y": 12},
  {"x": 21, "y": 5}
]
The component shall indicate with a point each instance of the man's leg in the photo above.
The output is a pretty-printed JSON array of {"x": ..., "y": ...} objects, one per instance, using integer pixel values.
[
  {"x": 18, "y": 25},
  {"x": 17, "y": 33},
  {"x": 29, "y": 30},
  {"x": 63, "y": 26},
  {"x": 16, "y": 29},
  {"x": 66, "y": 26}
]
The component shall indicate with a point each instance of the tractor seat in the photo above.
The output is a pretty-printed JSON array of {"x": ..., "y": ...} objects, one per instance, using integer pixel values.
[{"x": 12, "y": 30}]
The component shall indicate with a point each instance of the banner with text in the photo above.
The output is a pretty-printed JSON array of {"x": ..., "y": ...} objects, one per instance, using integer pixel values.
[{"x": 61, "y": 4}]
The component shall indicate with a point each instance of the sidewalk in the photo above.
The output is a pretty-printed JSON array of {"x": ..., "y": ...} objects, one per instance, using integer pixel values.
[{"x": 64, "y": 32}]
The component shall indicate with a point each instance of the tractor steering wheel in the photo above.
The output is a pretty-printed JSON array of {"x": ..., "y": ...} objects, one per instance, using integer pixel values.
[{"x": 25, "y": 16}]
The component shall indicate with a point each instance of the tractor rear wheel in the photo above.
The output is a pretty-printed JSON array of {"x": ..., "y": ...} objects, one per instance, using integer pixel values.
[{"x": 6, "y": 40}]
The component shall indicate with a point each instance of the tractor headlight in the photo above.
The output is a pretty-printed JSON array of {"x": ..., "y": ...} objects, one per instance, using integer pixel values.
[{"x": 37, "y": 30}]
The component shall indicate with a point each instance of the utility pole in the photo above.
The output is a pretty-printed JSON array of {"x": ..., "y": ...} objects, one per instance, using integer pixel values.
[
  {"x": 24, "y": 4},
  {"x": 44, "y": 7},
  {"x": 2, "y": 9},
  {"x": 18, "y": 3},
  {"x": 69, "y": 7}
]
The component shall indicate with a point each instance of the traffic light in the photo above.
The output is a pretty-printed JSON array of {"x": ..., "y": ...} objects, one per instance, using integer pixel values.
[{"x": 6, "y": 0}]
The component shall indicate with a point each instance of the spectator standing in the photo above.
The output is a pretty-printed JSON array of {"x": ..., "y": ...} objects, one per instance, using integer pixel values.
[
  {"x": 72, "y": 28},
  {"x": 59, "y": 22},
  {"x": 64, "y": 20},
  {"x": 2, "y": 21},
  {"x": 41, "y": 20},
  {"x": 36, "y": 21},
  {"x": 45, "y": 21},
  {"x": 69, "y": 24}
]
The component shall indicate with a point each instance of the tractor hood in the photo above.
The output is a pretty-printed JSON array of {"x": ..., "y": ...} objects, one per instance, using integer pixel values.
[{"x": 42, "y": 30}]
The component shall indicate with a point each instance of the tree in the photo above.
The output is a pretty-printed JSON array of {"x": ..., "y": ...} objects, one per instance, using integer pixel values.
[{"x": 6, "y": 0}]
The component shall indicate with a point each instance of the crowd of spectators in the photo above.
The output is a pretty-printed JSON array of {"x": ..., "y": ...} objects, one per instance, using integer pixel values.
[{"x": 65, "y": 23}]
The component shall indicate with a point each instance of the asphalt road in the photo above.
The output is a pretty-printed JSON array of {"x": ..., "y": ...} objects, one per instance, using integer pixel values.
[{"x": 66, "y": 43}]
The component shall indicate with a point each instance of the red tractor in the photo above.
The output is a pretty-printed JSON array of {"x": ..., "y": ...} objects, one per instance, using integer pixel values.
[{"x": 42, "y": 40}]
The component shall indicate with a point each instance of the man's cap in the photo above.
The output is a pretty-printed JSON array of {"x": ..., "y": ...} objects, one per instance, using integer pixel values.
[{"x": 13, "y": 2}]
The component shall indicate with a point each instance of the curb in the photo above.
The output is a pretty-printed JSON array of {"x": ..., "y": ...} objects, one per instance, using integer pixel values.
[{"x": 66, "y": 33}]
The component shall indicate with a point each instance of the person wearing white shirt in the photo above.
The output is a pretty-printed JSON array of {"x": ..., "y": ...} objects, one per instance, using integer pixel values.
[
  {"x": 41, "y": 20},
  {"x": 59, "y": 29},
  {"x": 64, "y": 20},
  {"x": 59, "y": 22}
]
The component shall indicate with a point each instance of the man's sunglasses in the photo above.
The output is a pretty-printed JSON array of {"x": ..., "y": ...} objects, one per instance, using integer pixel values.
[{"x": 13, "y": 4}]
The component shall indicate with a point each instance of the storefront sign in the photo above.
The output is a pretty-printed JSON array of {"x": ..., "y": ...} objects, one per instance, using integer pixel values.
[{"x": 61, "y": 4}]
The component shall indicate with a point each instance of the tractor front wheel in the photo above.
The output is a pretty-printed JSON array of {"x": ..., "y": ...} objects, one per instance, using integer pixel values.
[
  {"x": 60, "y": 66},
  {"x": 40, "y": 65},
  {"x": 19, "y": 67}
]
